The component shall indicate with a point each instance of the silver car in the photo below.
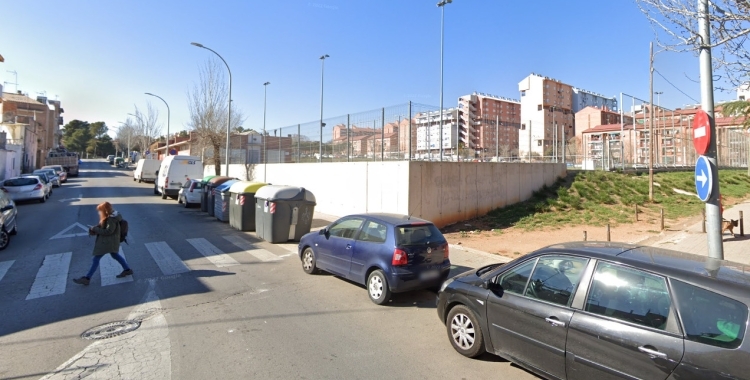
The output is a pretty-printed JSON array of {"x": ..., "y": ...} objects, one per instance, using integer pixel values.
[
  {"x": 51, "y": 175},
  {"x": 59, "y": 170},
  {"x": 8, "y": 213},
  {"x": 25, "y": 188}
]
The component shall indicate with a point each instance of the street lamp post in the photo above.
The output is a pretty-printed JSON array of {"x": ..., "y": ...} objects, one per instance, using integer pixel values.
[
  {"x": 168, "y": 112},
  {"x": 322, "y": 71},
  {"x": 229, "y": 107},
  {"x": 265, "y": 159},
  {"x": 441, "y": 5}
]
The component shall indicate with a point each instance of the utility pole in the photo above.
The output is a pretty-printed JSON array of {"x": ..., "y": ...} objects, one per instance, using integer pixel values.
[
  {"x": 713, "y": 212},
  {"x": 651, "y": 125}
]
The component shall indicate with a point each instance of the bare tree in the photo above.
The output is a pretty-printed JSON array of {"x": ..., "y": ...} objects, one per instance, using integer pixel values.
[
  {"x": 126, "y": 135},
  {"x": 505, "y": 151},
  {"x": 146, "y": 126},
  {"x": 676, "y": 27},
  {"x": 207, "y": 103}
]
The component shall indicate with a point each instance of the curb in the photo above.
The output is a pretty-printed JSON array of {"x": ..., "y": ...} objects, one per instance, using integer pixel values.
[{"x": 488, "y": 255}]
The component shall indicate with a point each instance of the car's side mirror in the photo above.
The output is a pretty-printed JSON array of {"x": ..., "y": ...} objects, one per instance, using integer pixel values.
[{"x": 492, "y": 286}]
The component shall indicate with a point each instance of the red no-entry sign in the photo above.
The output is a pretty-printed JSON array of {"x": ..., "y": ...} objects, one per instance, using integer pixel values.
[{"x": 701, "y": 132}]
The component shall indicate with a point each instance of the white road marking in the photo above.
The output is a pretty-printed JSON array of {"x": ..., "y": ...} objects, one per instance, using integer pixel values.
[
  {"x": 260, "y": 254},
  {"x": 166, "y": 259},
  {"x": 212, "y": 253},
  {"x": 52, "y": 276},
  {"x": 141, "y": 354},
  {"x": 109, "y": 268},
  {"x": 67, "y": 234},
  {"x": 4, "y": 266}
]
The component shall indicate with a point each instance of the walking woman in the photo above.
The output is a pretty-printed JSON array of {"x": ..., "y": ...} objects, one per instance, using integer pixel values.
[{"x": 107, "y": 242}]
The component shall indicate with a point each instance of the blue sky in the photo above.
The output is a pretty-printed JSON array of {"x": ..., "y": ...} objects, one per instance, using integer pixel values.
[{"x": 99, "y": 57}]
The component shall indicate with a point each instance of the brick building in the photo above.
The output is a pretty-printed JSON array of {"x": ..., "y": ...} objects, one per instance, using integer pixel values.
[{"x": 489, "y": 122}]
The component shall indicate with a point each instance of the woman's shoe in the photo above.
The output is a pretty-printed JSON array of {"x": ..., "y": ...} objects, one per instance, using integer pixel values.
[
  {"x": 125, "y": 273},
  {"x": 82, "y": 281}
]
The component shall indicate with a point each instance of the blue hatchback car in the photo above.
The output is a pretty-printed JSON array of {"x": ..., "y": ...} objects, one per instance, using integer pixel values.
[{"x": 388, "y": 253}]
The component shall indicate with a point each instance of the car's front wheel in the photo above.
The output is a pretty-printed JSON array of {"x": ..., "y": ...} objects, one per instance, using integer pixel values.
[
  {"x": 309, "y": 264},
  {"x": 377, "y": 287},
  {"x": 4, "y": 239},
  {"x": 464, "y": 332}
]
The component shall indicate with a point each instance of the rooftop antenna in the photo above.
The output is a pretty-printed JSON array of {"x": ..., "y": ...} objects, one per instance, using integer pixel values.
[{"x": 14, "y": 72}]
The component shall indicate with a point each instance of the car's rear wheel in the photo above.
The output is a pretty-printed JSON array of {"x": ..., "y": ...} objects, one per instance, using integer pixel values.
[
  {"x": 4, "y": 239},
  {"x": 464, "y": 332},
  {"x": 309, "y": 263},
  {"x": 377, "y": 287},
  {"x": 164, "y": 194}
]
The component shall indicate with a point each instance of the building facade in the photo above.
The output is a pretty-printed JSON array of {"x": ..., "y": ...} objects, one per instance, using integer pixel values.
[
  {"x": 489, "y": 124},
  {"x": 429, "y": 139},
  {"x": 546, "y": 111}
]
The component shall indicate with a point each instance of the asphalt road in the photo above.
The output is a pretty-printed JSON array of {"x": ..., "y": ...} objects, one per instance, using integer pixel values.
[{"x": 209, "y": 302}]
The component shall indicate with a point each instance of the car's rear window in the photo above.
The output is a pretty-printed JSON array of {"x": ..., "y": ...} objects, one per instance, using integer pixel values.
[
  {"x": 20, "y": 182},
  {"x": 417, "y": 234}
]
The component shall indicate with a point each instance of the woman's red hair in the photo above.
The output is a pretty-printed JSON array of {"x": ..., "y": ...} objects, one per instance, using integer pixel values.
[{"x": 105, "y": 210}]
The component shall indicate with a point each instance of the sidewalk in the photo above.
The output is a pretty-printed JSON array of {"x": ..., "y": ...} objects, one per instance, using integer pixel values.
[{"x": 692, "y": 240}]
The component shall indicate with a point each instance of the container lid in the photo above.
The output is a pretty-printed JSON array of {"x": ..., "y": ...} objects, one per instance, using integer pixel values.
[
  {"x": 207, "y": 178},
  {"x": 226, "y": 185},
  {"x": 289, "y": 193},
  {"x": 218, "y": 180},
  {"x": 243, "y": 187}
]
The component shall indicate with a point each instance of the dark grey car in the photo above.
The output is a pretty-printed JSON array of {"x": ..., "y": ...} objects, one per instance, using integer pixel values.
[{"x": 605, "y": 311}]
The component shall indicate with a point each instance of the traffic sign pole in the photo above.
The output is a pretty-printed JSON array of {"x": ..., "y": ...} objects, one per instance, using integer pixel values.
[{"x": 713, "y": 214}]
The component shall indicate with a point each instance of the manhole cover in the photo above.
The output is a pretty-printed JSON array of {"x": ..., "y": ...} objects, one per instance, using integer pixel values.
[{"x": 111, "y": 329}]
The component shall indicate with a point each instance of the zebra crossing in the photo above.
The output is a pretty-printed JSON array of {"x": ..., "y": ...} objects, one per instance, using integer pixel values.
[{"x": 52, "y": 277}]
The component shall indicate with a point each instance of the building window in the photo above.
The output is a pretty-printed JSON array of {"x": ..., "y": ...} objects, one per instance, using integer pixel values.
[
  {"x": 539, "y": 107},
  {"x": 523, "y": 93}
]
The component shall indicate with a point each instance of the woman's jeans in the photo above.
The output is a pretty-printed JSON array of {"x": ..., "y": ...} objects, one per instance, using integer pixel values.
[{"x": 115, "y": 255}]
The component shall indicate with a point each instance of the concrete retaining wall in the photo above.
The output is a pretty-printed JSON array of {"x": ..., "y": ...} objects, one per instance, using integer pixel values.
[{"x": 443, "y": 192}]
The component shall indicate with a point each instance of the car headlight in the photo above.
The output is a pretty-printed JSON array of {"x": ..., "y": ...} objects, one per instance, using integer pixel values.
[{"x": 445, "y": 284}]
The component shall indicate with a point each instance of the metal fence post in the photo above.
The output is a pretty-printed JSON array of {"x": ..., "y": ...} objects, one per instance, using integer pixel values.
[
  {"x": 382, "y": 134},
  {"x": 410, "y": 130},
  {"x": 742, "y": 224},
  {"x": 281, "y": 156},
  {"x": 299, "y": 138},
  {"x": 348, "y": 141},
  {"x": 497, "y": 138}
]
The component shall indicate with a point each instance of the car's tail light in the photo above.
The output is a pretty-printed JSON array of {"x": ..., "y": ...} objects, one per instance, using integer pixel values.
[
  {"x": 37, "y": 187},
  {"x": 399, "y": 257},
  {"x": 446, "y": 252}
]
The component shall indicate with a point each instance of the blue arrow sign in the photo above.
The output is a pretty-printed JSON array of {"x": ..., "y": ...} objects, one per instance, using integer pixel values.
[{"x": 703, "y": 178}]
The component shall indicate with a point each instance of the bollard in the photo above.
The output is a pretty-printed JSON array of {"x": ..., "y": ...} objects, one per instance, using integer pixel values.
[
  {"x": 584, "y": 236},
  {"x": 703, "y": 220},
  {"x": 608, "y": 232},
  {"x": 636, "y": 212},
  {"x": 742, "y": 225},
  {"x": 661, "y": 213}
]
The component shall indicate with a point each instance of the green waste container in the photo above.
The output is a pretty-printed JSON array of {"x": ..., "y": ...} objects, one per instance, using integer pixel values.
[
  {"x": 242, "y": 204},
  {"x": 204, "y": 194},
  {"x": 221, "y": 200},
  {"x": 283, "y": 213},
  {"x": 212, "y": 184}
]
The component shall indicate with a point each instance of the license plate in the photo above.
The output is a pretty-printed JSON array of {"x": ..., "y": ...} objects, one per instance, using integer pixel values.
[{"x": 429, "y": 275}]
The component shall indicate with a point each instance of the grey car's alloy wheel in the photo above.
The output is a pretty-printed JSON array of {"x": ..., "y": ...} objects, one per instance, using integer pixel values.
[
  {"x": 309, "y": 262},
  {"x": 4, "y": 239},
  {"x": 464, "y": 332},
  {"x": 377, "y": 287}
]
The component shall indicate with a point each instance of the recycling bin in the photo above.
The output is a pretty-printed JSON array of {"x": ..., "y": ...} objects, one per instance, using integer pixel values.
[
  {"x": 212, "y": 184},
  {"x": 204, "y": 194},
  {"x": 221, "y": 200},
  {"x": 242, "y": 204},
  {"x": 283, "y": 213}
]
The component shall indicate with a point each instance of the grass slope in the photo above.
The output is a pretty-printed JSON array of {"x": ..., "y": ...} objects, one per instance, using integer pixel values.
[{"x": 598, "y": 198}]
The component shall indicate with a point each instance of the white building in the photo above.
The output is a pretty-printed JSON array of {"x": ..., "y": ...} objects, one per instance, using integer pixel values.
[
  {"x": 583, "y": 99},
  {"x": 743, "y": 92},
  {"x": 428, "y": 133},
  {"x": 546, "y": 105}
]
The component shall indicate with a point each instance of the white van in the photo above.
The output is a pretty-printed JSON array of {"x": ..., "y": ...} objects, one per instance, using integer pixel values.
[
  {"x": 146, "y": 170},
  {"x": 173, "y": 173}
]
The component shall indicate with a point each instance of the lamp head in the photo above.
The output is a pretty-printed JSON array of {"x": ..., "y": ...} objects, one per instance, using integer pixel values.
[
  {"x": 196, "y": 44},
  {"x": 324, "y": 56},
  {"x": 266, "y": 84},
  {"x": 148, "y": 93}
]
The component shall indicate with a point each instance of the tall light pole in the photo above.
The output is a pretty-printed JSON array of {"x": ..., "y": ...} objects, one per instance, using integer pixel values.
[
  {"x": 265, "y": 159},
  {"x": 322, "y": 71},
  {"x": 165, "y": 103},
  {"x": 229, "y": 107},
  {"x": 441, "y": 5}
]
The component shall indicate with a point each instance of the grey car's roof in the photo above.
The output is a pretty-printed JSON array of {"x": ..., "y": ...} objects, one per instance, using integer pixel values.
[
  {"x": 722, "y": 276},
  {"x": 395, "y": 219}
]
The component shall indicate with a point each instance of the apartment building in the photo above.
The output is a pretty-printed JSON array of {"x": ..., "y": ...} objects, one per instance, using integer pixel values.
[
  {"x": 546, "y": 111},
  {"x": 489, "y": 123},
  {"x": 429, "y": 139}
]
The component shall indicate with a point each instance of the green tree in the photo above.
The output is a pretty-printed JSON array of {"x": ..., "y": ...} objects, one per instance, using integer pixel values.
[{"x": 76, "y": 135}]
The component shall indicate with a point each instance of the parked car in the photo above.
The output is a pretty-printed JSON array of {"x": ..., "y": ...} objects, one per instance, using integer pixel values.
[
  {"x": 605, "y": 311},
  {"x": 59, "y": 170},
  {"x": 25, "y": 188},
  {"x": 8, "y": 214},
  {"x": 45, "y": 181},
  {"x": 51, "y": 175},
  {"x": 173, "y": 173},
  {"x": 388, "y": 253},
  {"x": 190, "y": 193},
  {"x": 111, "y": 159},
  {"x": 145, "y": 170}
]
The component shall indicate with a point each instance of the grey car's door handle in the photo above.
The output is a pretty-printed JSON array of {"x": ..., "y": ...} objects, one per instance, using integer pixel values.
[
  {"x": 348, "y": 246},
  {"x": 554, "y": 321},
  {"x": 653, "y": 352}
]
